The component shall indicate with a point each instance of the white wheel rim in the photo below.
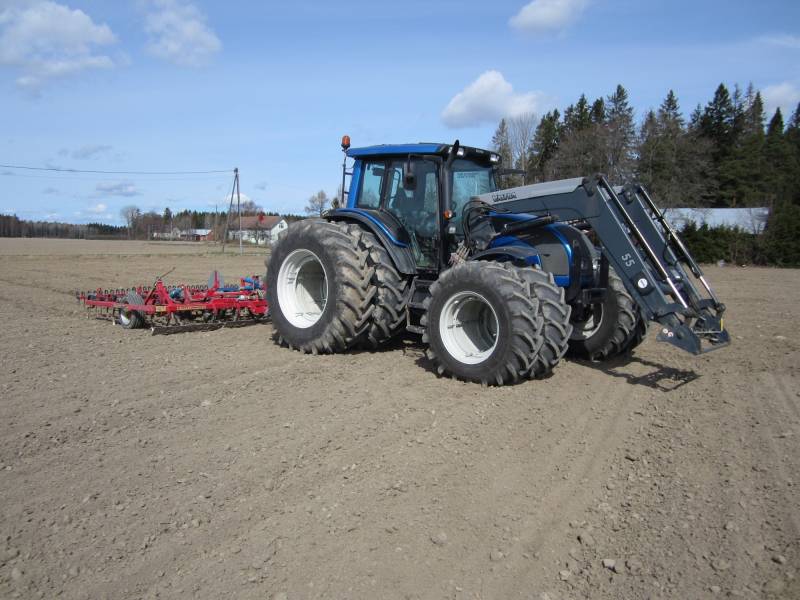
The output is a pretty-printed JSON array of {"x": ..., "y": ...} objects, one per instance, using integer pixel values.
[
  {"x": 468, "y": 328},
  {"x": 125, "y": 316},
  {"x": 585, "y": 330},
  {"x": 302, "y": 288}
]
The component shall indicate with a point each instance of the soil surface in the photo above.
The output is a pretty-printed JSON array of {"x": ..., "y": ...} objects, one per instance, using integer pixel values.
[{"x": 220, "y": 465}]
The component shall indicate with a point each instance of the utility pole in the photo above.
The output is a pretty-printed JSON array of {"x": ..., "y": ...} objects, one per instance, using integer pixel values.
[
  {"x": 216, "y": 222},
  {"x": 235, "y": 188},
  {"x": 238, "y": 208}
]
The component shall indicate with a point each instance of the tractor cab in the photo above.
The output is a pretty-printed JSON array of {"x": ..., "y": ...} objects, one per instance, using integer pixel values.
[{"x": 415, "y": 194}]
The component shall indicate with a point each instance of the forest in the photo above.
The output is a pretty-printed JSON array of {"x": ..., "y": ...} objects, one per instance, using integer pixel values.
[{"x": 726, "y": 154}]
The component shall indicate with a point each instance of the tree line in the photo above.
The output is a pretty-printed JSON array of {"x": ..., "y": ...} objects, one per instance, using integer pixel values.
[
  {"x": 726, "y": 154},
  {"x": 139, "y": 225},
  {"x": 13, "y": 226}
]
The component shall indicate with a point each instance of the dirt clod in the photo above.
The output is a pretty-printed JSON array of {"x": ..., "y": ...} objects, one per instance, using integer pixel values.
[{"x": 496, "y": 556}]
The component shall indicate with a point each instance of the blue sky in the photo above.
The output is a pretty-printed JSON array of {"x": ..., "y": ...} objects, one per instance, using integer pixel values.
[{"x": 270, "y": 87}]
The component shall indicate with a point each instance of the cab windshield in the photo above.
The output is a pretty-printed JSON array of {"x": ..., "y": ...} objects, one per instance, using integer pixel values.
[{"x": 468, "y": 179}]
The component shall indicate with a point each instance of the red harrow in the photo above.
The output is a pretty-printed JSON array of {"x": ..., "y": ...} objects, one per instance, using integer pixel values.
[{"x": 175, "y": 308}]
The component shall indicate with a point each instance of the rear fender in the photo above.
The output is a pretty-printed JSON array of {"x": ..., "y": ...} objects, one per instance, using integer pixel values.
[{"x": 390, "y": 234}]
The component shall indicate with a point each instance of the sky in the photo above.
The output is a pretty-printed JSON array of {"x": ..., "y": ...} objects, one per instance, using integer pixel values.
[{"x": 270, "y": 87}]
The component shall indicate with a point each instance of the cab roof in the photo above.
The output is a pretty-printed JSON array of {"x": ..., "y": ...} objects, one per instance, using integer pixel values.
[{"x": 419, "y": 148}]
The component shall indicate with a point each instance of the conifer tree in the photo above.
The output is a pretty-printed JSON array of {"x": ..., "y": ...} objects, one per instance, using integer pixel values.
[
  {"x": 672, "y": 162},
  {"x": 543, "y": 147},
  {"x": 695, "y": 119},
  {"x": 577, "y": 117},
  {"x": 717, "y": 122},
  {"x": 742, "y": 172},
  {"x": 780, "y": 162},
  {"x": 501, "y": 143},
  {"x": 648, "y": 164},
  {"x": 621, "y": 134},
  {"x": 669, "y": 113},
  {"x": 792, "y": 137},
  {"x": 598, "y": 112}
]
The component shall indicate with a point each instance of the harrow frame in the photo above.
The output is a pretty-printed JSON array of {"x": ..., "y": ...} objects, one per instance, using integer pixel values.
[{"x": 175, "y": 308}]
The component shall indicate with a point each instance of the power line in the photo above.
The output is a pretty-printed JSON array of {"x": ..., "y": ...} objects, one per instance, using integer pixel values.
[
  {"x": 28, "y": 168},
  {"x": 96, "y": 179}
]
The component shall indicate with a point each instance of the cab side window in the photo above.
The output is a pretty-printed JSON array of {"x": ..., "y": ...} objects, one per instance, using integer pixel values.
[{"x": 369, "y": 195}]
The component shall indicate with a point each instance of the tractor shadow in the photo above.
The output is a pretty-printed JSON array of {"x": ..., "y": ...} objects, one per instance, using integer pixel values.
[
  {"x": 647, "y": 373},
  {"x": 406, "y": 345}
]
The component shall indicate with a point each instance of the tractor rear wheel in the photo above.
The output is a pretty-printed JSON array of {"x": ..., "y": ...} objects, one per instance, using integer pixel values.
[
  {"x": 482, "y": 323},
  {"x": 611, "y": 334},
  {"x": 555, "y": 312},
  {"x": 131, "y": 319},
  {"x": 391, "y": 295},
  {"x": 319, "y": 287}
]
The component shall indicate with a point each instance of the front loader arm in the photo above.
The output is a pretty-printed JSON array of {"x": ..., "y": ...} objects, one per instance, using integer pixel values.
[{"x": 642, "y": 248}]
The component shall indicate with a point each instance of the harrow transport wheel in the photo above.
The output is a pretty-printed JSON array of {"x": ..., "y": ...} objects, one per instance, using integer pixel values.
[
  {"x": 555, "y": 312},
  {"x": 482, "y": 323},
  {"x": 616, "y": 328},
  {"x": 388, "y": 316},
  {"x": 131, "y": 319},
  {"x": 319, "y": 287}
]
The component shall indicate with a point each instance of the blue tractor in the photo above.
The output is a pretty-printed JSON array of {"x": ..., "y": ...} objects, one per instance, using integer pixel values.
[{"x": 500, "y": 284}]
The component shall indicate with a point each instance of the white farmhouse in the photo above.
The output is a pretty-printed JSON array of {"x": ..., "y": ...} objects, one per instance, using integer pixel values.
[{"x": 261, "y": 229}]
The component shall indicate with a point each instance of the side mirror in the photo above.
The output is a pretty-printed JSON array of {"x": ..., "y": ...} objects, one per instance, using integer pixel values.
[{"x": 409, "y": 178}]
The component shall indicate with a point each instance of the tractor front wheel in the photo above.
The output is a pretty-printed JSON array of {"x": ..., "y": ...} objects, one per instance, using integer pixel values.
[
  {"x": 613, "y": 331},
  {"x": 482, "y": 323},
  {"x": 555, "y": 312}
]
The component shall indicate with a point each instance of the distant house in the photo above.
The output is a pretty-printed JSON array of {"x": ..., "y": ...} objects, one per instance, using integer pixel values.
[
  {"x": 186, "y": 235},
  {"x": 260, "y": 229},
  {"x": 196, "y": 235},
  {"x": 752, "y": 220}
]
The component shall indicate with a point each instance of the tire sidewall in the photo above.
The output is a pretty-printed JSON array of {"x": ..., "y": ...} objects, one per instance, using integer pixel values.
[
  {"x": 497, "y": 360},
  {"x": 301, "y": 238}
]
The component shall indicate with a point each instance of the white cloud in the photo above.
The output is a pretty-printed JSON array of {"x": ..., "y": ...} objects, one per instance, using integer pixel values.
[
  {"x": 125, "y": 189},
  {"x": 785, "y": 95},
  {"x": 90, "y": 151},
  {"x": 179, "y": 34},
  {"x": 46, "y": 40},
  {"x": 784, "y": 40},
  {"x": 488, "y": 99},
  {"x": 98, "y": 209},
  {"x": 91, "y": 215},
  {"x": 544, "y": 16}
]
